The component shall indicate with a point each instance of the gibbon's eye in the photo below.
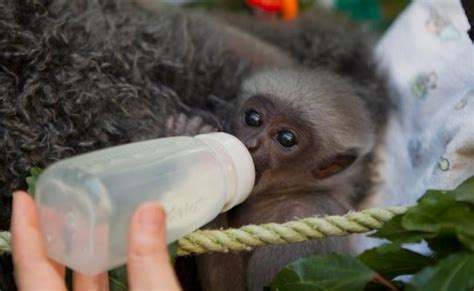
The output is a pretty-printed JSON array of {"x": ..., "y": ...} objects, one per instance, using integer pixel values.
[
  {"x": 286, "y": 138},
  {"x": 253, "y": 118}
]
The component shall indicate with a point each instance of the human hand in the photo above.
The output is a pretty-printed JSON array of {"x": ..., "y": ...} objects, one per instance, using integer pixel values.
[{"x": 148, "y": 262}]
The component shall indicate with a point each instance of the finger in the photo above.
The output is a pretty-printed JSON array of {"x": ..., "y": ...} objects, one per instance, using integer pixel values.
[
  {"x": 207, "y": 129},
  {"x": 193, "y": 125},
  {"x": 32, "y": 265},
  {"x": 148, "y": 265},
  {"x": 90, "y": 283},
  {"x": 180, "y": 124},
  {"x": 170, "y": 125}
]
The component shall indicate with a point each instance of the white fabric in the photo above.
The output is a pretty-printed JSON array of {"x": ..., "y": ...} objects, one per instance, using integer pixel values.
[{"x": 430, "y": 141}]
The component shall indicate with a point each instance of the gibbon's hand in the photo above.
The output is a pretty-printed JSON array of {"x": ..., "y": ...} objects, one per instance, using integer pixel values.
[{"x": 181, "y": 125}]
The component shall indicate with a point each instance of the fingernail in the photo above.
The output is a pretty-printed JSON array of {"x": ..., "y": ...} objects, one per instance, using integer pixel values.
[{"x": 149, "y": 216}]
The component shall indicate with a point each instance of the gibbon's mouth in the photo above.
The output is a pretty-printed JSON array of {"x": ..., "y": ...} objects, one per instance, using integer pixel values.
[
  {"x": 259, "y": 170},
  {"x": 258, "y": 175}
]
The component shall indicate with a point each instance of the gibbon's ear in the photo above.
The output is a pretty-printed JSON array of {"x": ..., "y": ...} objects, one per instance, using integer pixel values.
[{"x": 333, "y": 166}]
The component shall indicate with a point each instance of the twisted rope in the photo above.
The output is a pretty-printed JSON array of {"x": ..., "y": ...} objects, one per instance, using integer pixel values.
[{"x": 248, "y": 237}]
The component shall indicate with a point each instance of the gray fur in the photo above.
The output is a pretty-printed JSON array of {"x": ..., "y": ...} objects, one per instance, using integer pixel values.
[{"x": 333, "y": 87}]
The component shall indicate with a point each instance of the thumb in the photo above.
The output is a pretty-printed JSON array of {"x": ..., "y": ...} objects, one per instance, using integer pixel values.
[{"x": 148, "y": 265}]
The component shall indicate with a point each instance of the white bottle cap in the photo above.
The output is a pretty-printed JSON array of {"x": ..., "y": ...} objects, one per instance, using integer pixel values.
[{"x": 241, "y": 164}]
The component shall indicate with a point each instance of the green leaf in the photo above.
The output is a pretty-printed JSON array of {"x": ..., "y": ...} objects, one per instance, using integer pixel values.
[
  {"x": 376, "y": 286},
  {"x": 299, "y": 286},
  {"x": 173, "y": 251},
  {"x": 445, "y": 245},
  {"x": 465, "y": 192},
  {"x": 389, "y": 247},
  {"x": 439, "y": 213},
  {"x": 332, "y": 272},
  {"x": 456, "y": 272},
  {"x": 32, "y": 179},
  {"x": 118, "y": 279},
  {"x": 398, "y": 261},
  {"x": 467, "y": 241},
  {"x": 394, "y": 231}
]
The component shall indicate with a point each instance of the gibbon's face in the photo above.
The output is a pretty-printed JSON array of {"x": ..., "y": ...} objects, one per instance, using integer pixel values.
[
  {"x": 293, "y": 145},
  {"x": 277, "y": 141}
]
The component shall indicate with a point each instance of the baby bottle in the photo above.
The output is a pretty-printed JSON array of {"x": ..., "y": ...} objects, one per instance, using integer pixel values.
[{"x": 85, "y": 203}]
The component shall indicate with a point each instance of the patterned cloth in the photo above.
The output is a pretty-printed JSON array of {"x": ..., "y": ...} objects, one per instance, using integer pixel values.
[{"x": 430, "y": 141}]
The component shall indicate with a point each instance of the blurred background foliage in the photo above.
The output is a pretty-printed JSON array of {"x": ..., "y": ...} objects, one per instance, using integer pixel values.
[{"x": 379, "y": 13}]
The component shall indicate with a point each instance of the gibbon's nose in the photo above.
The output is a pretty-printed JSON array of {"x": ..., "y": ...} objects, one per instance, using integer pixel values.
[{"x": 252, "y": 144}]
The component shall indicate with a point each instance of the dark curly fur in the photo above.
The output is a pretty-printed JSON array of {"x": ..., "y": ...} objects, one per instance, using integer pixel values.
[
  {"x": 75, "y": 79},
  {"x": 76, "y": 76}
]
